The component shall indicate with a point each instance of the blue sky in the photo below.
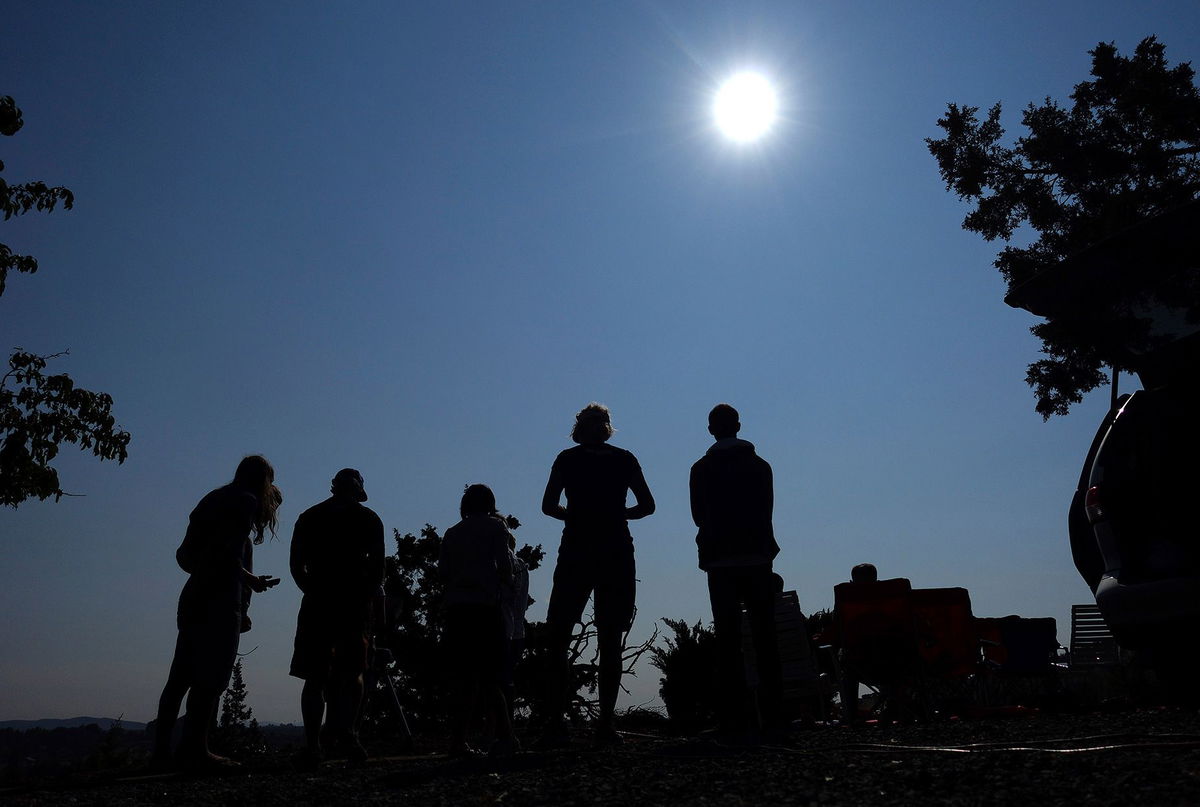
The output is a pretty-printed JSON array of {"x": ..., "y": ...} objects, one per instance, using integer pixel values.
[{"x": 416, "y": 238}]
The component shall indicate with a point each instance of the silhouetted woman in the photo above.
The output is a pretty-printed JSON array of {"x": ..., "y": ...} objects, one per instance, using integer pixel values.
[
  {"x": 217, "y": 553},
  {"x": 475, "y": 568},
  {"x": 595, "y": 556}
]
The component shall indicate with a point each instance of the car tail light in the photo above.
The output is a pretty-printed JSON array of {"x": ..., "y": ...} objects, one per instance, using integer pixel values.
[{"x": 1094, "y": 507}]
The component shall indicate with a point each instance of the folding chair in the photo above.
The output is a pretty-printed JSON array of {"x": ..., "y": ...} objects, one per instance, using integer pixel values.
[
  {"x": 946, "y": 638},
  {"x": 878, "y": 642},
  {"x": 1018, "y": 649},
  {"x": 1092, "y": 643}
]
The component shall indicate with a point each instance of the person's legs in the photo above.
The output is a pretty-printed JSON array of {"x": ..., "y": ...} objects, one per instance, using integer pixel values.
[
  {"x": 727, "y": 625},
  {"x": 168, "y": 712},
  {"x": 616, "y": 593},
  {"x": 568, "y": 598},
  {"x": 756, "y": 592},
  {"x": 183, "y": 664},
  {"x": 344, "y": 696},
  {"x": 345, "y": 691},
  {"x": 201, "y": 714},
  {"x": 498, "y": 706},
  {"x": 462, "y": 669},
  {"x": 212, "y": 644},
  {"x": 609, "y": 641},
  {"x": 312, "y": 710}
]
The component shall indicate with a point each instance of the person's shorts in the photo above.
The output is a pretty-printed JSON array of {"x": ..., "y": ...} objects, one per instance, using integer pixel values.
[
  {"x": 329, "y": 640},
  {"x": 206, "y": 649},
  {"x": 473, "y": 641},
  {"x": 604, "y": 569}
]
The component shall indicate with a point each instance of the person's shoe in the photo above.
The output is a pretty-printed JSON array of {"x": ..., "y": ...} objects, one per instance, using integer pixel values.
[
  {"x": 308, "y": 760},
  {"x": 505, "y": 747}
]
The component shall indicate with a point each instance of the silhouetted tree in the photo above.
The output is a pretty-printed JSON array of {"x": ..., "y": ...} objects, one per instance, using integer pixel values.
[
  {"x": 1127, "y": 149},
  {"x": 583, "y": 661},
  {"x": 237, "y": 730},
  {"x": 39, "y": 412},
  {"x": 688, "y": 663}
]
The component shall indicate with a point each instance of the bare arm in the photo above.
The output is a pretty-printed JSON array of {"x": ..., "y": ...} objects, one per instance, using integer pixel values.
[
  {"x": 550, "y": 499},
  {"x": 641, "y": 493}
]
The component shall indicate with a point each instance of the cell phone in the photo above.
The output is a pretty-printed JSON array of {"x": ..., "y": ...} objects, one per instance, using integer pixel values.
[{"x": 271, "y": 581}]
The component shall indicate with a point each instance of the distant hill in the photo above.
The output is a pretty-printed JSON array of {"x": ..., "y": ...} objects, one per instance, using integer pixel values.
[{"x": 69, "y": 723}]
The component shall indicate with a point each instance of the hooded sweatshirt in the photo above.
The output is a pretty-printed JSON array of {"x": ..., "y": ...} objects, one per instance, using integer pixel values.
[{"x": 732, "y": 500}]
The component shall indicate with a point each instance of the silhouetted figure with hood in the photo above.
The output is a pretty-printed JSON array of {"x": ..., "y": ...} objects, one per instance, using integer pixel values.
[
  {"x": 595, "y": 557},
  {"x": 337, "y": 560},
  {"x": 732, "y": 499},
  {"x": 218, "y": 554}
]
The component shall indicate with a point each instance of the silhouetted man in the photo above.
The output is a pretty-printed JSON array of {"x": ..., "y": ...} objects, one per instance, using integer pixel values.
[
  {"x": 337, "y": 561},
  {"x": 732, "y": 500},
  {"x": 596, "y": 555}
]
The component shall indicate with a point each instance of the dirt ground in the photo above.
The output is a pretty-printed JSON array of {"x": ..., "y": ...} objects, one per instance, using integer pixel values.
[{"x": 1139, "y": 757}]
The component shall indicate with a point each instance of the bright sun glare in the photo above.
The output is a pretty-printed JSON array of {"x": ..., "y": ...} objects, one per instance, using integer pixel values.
[{"x": 745, "y": 107}]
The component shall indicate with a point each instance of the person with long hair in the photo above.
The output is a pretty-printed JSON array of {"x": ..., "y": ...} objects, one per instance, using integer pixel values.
[
  {"x": 218, "y": 554},
  {"x": 595, "y": 558}
]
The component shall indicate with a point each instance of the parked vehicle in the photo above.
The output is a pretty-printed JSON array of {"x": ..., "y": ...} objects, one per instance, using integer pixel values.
[
  {"x": 1138, "y": 524},
  {"x": 1134, "y": 531}
]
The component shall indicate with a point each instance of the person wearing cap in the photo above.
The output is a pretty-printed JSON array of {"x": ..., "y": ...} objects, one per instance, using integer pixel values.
[
  {"x": 595, "y": 558},
  {"x": 337, "y": 561}
]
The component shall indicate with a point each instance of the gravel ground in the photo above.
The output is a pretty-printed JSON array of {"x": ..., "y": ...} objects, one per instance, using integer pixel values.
[{"x": 1145, "y": 757}]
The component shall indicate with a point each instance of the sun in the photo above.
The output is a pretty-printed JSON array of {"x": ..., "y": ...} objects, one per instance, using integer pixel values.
[{"x": 746, "y": 107}]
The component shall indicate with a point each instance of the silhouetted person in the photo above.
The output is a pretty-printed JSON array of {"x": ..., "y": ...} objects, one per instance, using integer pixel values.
[
  {"x": 864, "y": 573},
  {"x": 859, "y": 573},
  {"x": 337, "y": 561},
  {"x": 475, "y": 568},
  {"x": 218, "y": 554},
  {"x": 595, "y": 556},
  {"x": 514, "y": 602},
  {"x": 732, "y": 500}
]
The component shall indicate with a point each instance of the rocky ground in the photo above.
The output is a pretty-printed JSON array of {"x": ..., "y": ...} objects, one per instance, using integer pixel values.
[{"x": 1138, "y": 757}]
